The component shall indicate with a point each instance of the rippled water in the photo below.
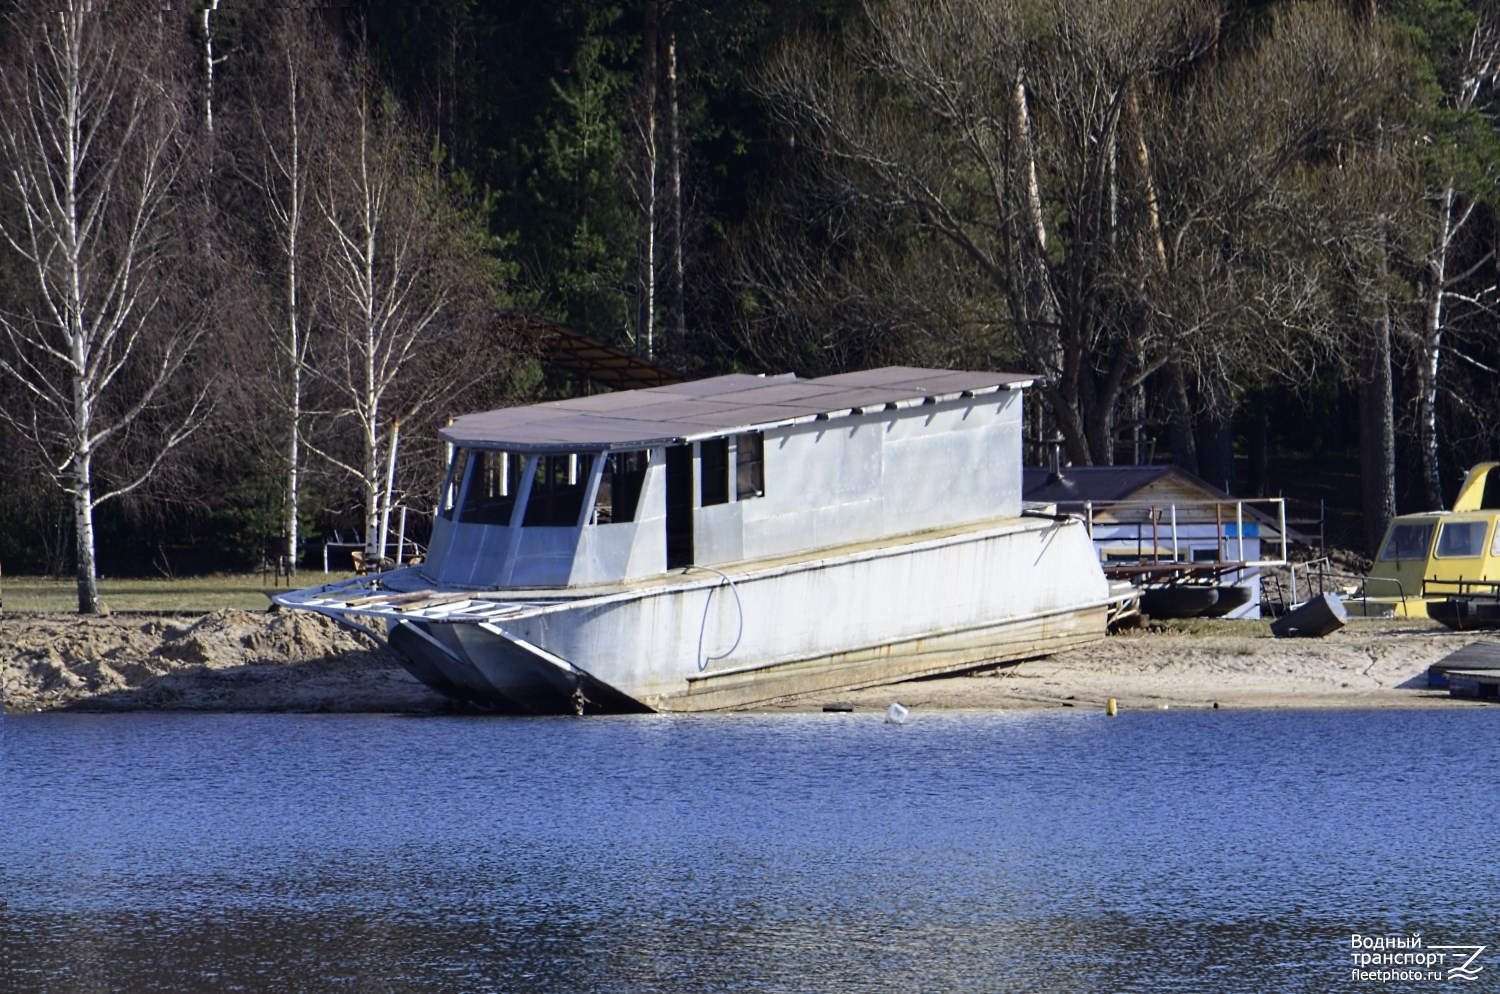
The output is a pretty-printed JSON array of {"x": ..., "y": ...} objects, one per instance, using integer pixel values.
[{"x": 986, "y": 852}]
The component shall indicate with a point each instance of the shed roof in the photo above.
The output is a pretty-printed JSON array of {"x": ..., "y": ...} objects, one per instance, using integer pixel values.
[
  {"x": 1076, "y": 484},
  {"x": 722, "y": 405},
  {"x": 603, "y": 364}
]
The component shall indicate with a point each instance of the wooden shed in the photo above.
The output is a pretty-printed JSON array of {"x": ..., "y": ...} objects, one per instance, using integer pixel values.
[{"x": 1163, "y": 516}]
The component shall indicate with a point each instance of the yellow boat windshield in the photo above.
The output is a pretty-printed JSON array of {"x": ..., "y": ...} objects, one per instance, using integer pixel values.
[{"x": 1408, "y": 540}]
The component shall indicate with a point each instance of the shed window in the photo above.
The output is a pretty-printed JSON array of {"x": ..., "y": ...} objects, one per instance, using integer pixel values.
[
  {"x": 620, "y": 487},
  {"x": 557, "y": 493},
  {"x": 494, "y": 480},
  {"x": 1127, "y": 555},
  {"x": 1408, "y": 542},
  {"x": 1461, "y": 539},
  {"x": 749, "y": 465}
]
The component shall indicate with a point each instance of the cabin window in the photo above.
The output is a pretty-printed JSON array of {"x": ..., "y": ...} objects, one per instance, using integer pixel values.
[
  {"x": 1408, "y": 542},
  {"x": 456, "y": 467},
  {"x": 1461, "y": 539},
  {"x": 713, "y": 468},
  {"x": 556, "y": 499},
  {"x": 715, "y": 465},
  {"x": 749, "y": 466},
  {"x": 1206, "y": 555},
  {"x": 620, "y": 487},
  {"x": 494, "y": 479}
]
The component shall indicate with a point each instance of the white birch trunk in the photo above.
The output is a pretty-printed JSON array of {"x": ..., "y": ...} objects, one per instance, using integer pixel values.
[
  {"x": 209, "y": 9},
  {"x": 1430, "y": 364},
  {"x": 83, "y": 231},
  {"x": 679, "y": 276},
  {"x": 647, "y": 332},
  {"x": 295, "y": 346}
]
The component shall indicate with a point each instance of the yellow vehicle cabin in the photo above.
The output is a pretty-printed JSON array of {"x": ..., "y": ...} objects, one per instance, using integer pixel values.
[{"x": 1431, "y": 555}]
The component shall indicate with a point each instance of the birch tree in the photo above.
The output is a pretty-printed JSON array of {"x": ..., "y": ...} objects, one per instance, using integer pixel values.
[
  {"x": 1446, "y": 280},
  {"x": 646, "y": 306},
  {"x": 404, "y": 268},
  {"x": 93, "y": 148},
  {"x": 287, "y": 124},
  {"x": 211, "y": 63}
]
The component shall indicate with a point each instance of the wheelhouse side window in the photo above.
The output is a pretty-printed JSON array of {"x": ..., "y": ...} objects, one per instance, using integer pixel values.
[
  {"x": 749, "y": 465},
  {"x": 713, "y": 468},
  {"x": 556, "y": 499},
  {"x": 1461, "y": 539},
  {"x": 494, "y": 478},
  {"x": 620, "y": 487},
  {"x": 456, "y": 468},
  {"x": 1408, "y": 542}
]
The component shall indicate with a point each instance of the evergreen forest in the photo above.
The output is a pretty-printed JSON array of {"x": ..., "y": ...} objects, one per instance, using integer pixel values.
[{"x": 253, "y": 257}]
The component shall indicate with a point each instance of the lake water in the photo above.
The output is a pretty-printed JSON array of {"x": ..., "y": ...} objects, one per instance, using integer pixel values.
[{"x": 1038, "y": 852}]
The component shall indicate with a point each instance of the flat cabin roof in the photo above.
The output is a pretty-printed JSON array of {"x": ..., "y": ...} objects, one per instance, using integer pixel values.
[{"x": 714, "y": 407}]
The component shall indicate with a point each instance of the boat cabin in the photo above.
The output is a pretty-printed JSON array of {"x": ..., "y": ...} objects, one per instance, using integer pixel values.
[
  {"x": 1440, "y": 551},
  {"x": 629, "y": 485}
]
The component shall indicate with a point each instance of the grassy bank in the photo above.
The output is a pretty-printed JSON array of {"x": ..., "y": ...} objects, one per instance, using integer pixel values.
[{"x": 245, "y": 592}]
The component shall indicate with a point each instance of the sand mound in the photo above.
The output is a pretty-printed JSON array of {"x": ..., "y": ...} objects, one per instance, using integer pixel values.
[{"x": 227, "y": 660}]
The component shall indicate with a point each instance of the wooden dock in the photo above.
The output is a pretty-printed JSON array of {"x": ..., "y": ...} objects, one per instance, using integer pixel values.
[
  {"x": 1473, "y": 671},
  {"x": 1474, "y": 683}
]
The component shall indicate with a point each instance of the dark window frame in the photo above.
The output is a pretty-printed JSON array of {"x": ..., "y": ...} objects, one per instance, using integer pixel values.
[
  {"x": 620, "y": 487},
  {"x": 1405, "y": 550},
  {"x": 749, "y": 465},
  {"x": 556, "y": 501},
  {"x": 713, "y": 472},
  {"x": 1455, "y": 527},
  {"x": 491, "y": 486}
]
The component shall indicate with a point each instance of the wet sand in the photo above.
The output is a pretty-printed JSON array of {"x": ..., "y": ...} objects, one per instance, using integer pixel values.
[{"x": 1368, "y": 664}]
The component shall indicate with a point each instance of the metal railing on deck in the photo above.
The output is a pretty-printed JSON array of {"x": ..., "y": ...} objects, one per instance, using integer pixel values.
[
  {"x": 1319, "y": 576},
  {"x": 1433, "y": 587},
  {"x": 1169, "y": 524}
]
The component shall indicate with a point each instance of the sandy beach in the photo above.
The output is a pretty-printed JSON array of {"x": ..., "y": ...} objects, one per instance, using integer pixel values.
[{"x": 260, "y": 661}]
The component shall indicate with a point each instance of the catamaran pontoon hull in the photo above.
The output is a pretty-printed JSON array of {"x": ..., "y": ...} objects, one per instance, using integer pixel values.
[{"x": 703, "y": 639}]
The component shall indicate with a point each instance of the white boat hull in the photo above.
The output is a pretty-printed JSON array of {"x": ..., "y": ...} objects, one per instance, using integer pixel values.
[{"x": 704, "y": 639}]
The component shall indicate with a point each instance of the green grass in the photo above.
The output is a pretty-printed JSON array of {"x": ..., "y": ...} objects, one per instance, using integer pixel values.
[
  {"x": 1251, "y": 628},
  {"x": 245, "y": 592},
  {"x": 1204, "y": 627}
]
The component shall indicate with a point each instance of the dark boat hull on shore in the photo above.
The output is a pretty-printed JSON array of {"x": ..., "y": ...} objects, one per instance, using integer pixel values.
[
  {"x": 1465, "y": 613},
  {"x": 1178, "y": 601}
]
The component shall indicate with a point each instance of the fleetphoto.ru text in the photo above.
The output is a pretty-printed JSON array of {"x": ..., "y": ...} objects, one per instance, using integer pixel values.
[{"x": 1388, "y": 958}]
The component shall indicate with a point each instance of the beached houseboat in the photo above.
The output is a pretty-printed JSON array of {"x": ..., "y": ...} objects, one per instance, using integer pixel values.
[
  {"x": 1433, "y": 560},
  {"x": 727, "y": 541}
]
